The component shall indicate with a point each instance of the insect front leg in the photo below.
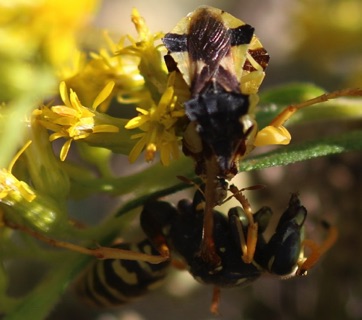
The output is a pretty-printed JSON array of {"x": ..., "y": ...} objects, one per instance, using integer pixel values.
[
  {"x": 101, "y": 253},
  {"x": 207, "y": 249},
  {"x": 118, "y": 280},
  {"x": 113, "y": 282},
  {"x": 276, "y": 133}
]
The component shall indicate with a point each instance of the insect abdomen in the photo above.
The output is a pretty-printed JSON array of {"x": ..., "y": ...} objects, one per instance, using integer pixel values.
[{"x": 113, "y": 282}]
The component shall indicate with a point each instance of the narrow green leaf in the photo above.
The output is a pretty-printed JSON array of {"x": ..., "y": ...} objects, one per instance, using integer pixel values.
[
  {"x": 351, "y": 141},
  {"x": 290, "y": 93},
  {"x": 273, "y": 101}
]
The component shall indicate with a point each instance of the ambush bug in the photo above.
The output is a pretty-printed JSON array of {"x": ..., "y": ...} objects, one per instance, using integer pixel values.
[{"x": 223, "y": 63}]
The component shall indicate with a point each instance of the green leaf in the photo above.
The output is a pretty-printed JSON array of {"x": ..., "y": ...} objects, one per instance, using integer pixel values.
[
  {"x": 350, "y": 141},
  {"x": 274, "y": 100},
  {"x": 290, "y": 93}
]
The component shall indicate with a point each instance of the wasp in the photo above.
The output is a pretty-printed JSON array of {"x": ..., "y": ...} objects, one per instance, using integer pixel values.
[
  {"x": 223, "y": 63},
  {"x": 281, "y": 255},
  {"x": 177, "y": 233}
]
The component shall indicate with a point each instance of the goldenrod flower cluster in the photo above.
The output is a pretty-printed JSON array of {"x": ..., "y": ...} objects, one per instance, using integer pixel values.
[
  {"x": 133, "y": 74},
  {"x": 118, "y": 96},
  {"x": 56, "y": 98}
]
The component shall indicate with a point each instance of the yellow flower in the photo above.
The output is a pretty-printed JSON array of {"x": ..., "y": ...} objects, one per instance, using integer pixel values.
[
  {"x": 13, "y": 190},
  {"x": 151, "y": 65},
  {"x": 46, "y": 27},
  {"x": 73, "y": 121},
  {"x": 37, "y": 37},
  {"x": 159, "y": 126},
  {"x": 123, "y": 69},
  {"x": 104, "y": 66},
  {"x": 160, "y": 110},
  {"x": 26, "y": 203}
]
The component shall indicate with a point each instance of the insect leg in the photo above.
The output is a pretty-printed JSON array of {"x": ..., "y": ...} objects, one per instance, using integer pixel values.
[
  {"x": 317, "y": 250},
  {"x": 276, "y": 133},
  {"x": 100, "y": 253},
  {"x": 207, "y": 250},
  {"x": 252, "y": 237},
  {"x": 215, "y": 302},
  {"x": 113, "y": 282}
]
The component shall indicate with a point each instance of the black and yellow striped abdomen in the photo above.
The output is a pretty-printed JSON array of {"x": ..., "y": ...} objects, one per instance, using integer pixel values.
[{"x": 111, "y": 282}]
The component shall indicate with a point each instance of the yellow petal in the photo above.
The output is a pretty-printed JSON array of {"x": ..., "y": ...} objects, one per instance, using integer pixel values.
[
  {"x": 50, "y": 126},
  {"x": 65, "y": 149},
  {"x": 105, "y": 128},
  {"x": 64, "y": 111},
  {"x": 57, "y": 135},
  {"x": 166, "y": 98},
  {"x": 103, "y": 95},
  {"x": 137, "y": 149},
  {"x": 75, "y": 103},
  {"x": 64, "y": 93},
  {"x": 272, "y": 135},
  {"x": 143, "y": 111},
  {"x": 18, "y": 154},
  {"x": 65, "y": 121},
  {"x": 134, "y": 123},
  {"x": 165, "y": 155}
]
